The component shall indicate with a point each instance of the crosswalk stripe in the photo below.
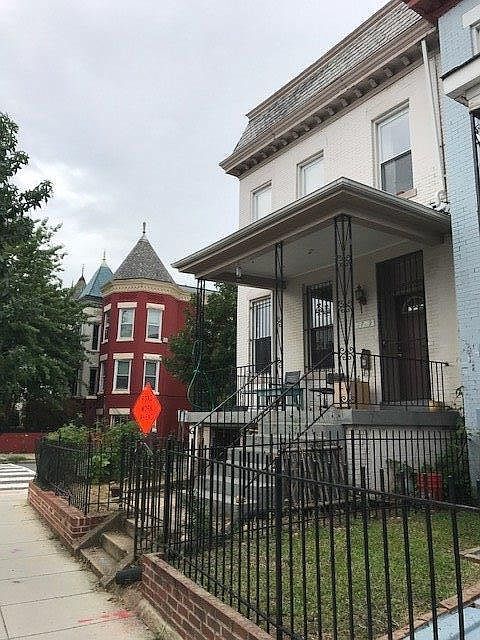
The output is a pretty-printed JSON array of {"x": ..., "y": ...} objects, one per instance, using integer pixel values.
[{"x": 14, "y": 476}]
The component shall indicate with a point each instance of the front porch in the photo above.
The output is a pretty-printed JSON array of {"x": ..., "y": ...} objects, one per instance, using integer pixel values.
[{"x": 345, "y": 309}]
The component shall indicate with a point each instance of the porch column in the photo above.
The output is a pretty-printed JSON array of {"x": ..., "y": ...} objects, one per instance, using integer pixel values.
[
  {"x": 345, "y": 311},
  {"x": 278, "y": 312},
  {"x": 196, "y": 392}
]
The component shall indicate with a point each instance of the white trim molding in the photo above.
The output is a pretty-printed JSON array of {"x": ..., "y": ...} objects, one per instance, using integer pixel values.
[
  {"x": 123, "y": 356},
  {"x": 107, "y": 307},
  {"x": 103, "y": 357},
  {"x": 119, "y": 411},
  {"x": 127, "y": 305},
  {"x": 154, "y": 305},
  {"x": 152, "y": 356}
]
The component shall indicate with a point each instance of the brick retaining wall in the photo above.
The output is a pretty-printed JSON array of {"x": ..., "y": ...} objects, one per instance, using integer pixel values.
[
  {"x": 190, "y": 610},
  {"x": 67, "y": 521}
]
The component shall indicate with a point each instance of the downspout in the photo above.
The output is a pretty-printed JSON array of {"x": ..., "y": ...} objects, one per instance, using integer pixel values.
[{"x": 436, "y": 119}]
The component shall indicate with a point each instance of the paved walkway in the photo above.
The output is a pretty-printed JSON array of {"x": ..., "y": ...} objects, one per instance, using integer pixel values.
[{"x": 45, "y": 594}]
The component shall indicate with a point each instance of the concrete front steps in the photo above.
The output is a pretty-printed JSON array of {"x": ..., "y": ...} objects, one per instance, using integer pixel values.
[{"x": 108, "y": 549}]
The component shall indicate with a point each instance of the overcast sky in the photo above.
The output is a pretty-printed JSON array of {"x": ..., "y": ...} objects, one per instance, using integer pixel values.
[{"x": 128, "y": 107}]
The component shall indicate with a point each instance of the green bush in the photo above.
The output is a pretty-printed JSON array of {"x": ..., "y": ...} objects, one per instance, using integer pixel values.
[
  {"x": 106, "y": 442},
  {"x": 69, "y": 434}
]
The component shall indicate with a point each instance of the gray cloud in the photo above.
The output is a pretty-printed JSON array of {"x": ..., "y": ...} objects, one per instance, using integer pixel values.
[{"x": 129, "y": 106}]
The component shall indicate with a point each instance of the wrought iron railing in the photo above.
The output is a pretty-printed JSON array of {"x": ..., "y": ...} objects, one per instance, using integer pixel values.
[
  {"x": 305, "y": 551},
  {"x": 264, "y": 405}
]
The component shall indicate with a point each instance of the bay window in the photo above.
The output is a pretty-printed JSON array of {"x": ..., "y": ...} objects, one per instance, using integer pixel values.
[
  {"x": 121, "y": 380},
  {"x": 154, "y": 323},
  {"x": 125, "y": 323}
]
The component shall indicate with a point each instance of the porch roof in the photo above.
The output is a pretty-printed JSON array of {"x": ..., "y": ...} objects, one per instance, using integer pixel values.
[{"x": 379, "y": 219}]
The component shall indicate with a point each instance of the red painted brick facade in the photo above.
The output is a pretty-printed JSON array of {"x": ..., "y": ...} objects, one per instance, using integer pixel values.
[
  {"x": 190, "y": 610},
  {"x": 68, "y": 522},
  {"x": 172, "y": 393}
]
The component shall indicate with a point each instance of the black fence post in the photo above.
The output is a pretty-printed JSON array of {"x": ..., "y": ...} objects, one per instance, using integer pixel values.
[
  {"x": 278, "y": 547},
  {"x": 167, "y": 496},
  {"x": 88, "y": 479},
  {"x": 123, "y": 445}
]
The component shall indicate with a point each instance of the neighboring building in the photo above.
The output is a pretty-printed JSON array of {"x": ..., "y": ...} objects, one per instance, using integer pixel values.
[
  {"x": 90, "y": 296},
  {"x": 344, "y": 256},
  {"x": 142, "y": 309},
  {"x": 459, "y": 36},
  {"x": 132, "y": 314}
]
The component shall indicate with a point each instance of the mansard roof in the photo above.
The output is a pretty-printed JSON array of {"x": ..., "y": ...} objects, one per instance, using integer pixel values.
[
  {"x": 351, "y": 68},
  {"x": 143, "y": 262},
  {"x": 94, "y": 287}
]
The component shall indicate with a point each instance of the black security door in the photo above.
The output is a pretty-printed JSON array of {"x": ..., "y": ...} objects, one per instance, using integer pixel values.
[{"x": 403, "y": 329}]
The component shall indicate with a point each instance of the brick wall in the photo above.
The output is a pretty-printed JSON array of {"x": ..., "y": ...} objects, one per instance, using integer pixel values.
[
  {"x": 19, "y": 442},
  {"x": 67, "y": 521},
  {"x": 190, "y": 610},
  {"x": 456, "y": 47}
]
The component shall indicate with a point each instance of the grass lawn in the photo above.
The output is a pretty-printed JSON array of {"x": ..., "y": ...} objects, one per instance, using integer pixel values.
[{"x": 310, "y": 618}]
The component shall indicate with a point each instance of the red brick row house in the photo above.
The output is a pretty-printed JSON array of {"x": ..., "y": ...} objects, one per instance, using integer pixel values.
[{"x": 140, "y": 309}]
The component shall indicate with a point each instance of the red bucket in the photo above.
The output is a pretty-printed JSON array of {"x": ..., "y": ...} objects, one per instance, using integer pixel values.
[{"x": 430, "y": 485}]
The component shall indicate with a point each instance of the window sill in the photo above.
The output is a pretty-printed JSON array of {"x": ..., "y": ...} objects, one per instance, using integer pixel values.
[
  {"x": 155, "y": 340},
  {"x": 121, "y": 391},
  {"x": 125, "y": 339},
  {"x": 411, "y": 193}
]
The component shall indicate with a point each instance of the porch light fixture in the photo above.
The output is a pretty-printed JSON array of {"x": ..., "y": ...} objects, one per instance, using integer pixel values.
[
  {"x": 361, "y": 297},
  {"x": 238, "y": 272}
]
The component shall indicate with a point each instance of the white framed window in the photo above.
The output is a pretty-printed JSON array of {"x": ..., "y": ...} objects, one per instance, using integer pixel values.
[
  {"x": 126, "y": 319},
  {"x": 154, "y": 323},
  {"x": 151, "y": 369},
  {"x": 101, "y": 377},
  {"x": 310, "y": 175},
  {"x": 394, "y": 152},
  {"x": 106, "y": 325},
  {"x": 471, "y": 20},
  {"x": 475, "y": 30},
  {"x": 121, "y": 377},
  {"x": 262, "y": 202}
]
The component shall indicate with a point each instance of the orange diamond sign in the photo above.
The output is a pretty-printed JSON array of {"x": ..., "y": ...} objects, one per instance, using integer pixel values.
[{"x": 146, "y": 409}]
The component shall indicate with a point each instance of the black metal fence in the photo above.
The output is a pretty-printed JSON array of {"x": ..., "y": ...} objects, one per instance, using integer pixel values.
[
  {"x": 87, "y": 475},
  {"x": 304, "y": 552}
]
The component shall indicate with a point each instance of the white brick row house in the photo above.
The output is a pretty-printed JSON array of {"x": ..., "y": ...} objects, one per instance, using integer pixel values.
[{"x": 343, "y": 256}]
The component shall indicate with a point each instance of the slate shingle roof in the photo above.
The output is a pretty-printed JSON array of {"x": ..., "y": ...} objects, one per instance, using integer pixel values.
[
  {"x": 142, "y": 262},
  {"x": 94, "y": 287},
  {"x": 368, "y": 39}
]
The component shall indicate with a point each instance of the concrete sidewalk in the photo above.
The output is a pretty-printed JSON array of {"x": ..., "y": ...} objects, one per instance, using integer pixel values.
[{"x": 45, "y": 593}]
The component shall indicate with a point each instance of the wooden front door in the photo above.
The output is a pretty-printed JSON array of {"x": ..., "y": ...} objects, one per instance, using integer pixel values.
[{"x": 403, "y": 329}]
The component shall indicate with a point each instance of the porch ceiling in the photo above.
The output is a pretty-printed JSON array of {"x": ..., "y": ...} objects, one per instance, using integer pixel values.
[{"x": 305, "y": 226}]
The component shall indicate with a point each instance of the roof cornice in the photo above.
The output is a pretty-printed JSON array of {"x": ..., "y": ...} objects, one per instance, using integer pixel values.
[
  {"x": 381, "y": 69},
  {"x": 139, "y": 285}
]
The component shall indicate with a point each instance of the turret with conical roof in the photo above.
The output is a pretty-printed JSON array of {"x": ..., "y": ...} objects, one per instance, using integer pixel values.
[
  {"x": 100, "y": 278},
  {"x": 143, "y": 262}
]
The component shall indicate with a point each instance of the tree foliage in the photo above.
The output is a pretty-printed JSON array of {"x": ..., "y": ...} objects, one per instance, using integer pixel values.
[
  {"x": 218, "y": 345},
  {"x": 40, "y": 348}
]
